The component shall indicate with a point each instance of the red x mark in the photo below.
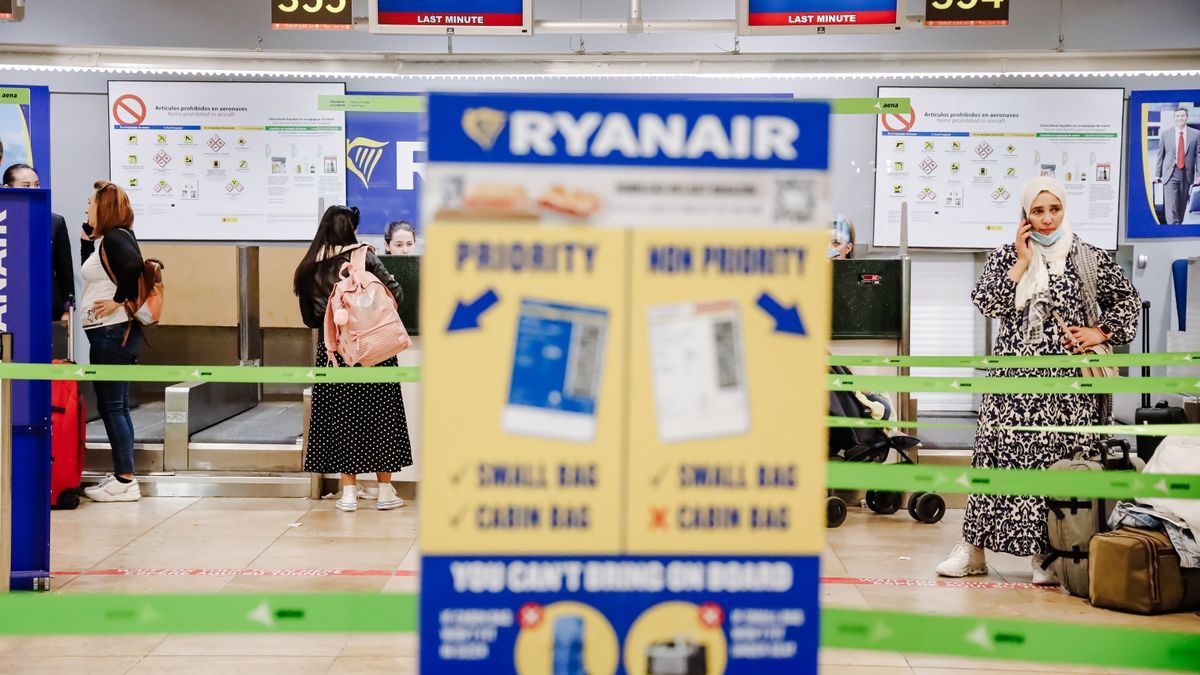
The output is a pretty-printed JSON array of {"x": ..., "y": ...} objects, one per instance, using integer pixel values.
[
  {"x": 530, "y": 615},
  {"x": 658, "y": 518},
  {"x": 711, "y": 615}
]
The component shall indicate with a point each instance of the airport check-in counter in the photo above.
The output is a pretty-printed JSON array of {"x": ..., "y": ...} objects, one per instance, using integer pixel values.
[
  {"x": 234, "y": 439},
  {"x": 870, "y": 312},
  {"x": 871, "y": 316}
]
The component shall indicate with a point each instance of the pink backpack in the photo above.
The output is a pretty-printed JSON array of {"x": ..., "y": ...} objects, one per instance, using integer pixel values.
[{"x": 361, "y": 321}]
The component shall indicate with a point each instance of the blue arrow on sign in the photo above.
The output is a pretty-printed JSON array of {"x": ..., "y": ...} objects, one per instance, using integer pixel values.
[
  {"x": 787, "y": 319},
  {"x": 466, "y": 316}
]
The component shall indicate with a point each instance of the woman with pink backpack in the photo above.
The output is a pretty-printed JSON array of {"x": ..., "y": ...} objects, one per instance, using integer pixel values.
[{"x": 346, "y": 293}]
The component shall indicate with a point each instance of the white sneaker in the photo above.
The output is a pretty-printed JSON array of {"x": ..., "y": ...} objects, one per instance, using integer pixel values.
[
  {"x": 388, "y": 499},
  {"x": 965, "y": 560},
  {"x": 112, "y": 490},
  {"x": 349, "y": 499},
  {"x": 1043, "y": 577}
]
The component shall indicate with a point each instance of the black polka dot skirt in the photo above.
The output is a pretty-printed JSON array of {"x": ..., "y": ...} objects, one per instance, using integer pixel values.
[{"x": 357, "y": 428}]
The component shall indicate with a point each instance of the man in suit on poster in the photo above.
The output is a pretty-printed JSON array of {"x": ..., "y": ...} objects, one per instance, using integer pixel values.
[{"x": 1175, "y": 165}]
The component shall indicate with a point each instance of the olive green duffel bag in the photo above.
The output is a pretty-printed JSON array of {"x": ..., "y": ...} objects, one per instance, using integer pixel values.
[{"x": 1137, "y": 570}]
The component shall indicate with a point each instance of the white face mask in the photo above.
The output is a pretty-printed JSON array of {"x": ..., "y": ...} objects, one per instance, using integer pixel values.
[{"x": 832, "y": 252}]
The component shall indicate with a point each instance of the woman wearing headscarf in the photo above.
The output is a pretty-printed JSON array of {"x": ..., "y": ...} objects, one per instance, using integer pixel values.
[{"x": 1048, "y": 274}]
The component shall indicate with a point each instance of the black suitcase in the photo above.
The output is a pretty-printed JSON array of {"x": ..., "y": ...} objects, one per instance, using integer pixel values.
[{"x": 1161, "y": 413}]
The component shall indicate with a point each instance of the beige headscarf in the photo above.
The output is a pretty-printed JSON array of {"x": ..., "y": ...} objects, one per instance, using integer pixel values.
[{"x": 1047, "y": 260}]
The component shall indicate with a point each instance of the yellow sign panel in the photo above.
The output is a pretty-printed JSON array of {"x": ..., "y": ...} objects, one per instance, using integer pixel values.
[
  {"x": 726, "y": 449},
  {"x": 524, "y": 398}
]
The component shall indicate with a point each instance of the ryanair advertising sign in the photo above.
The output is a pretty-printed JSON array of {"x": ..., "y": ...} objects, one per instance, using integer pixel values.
[
  {"x": 629, "y": 300},
  {"x": 385, "y": 167},
  {"x": 651, "y": 161},
  {"x": 630, "y": 132}
]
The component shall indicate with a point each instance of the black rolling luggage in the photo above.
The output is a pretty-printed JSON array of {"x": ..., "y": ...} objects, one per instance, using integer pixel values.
[{"x": 1161, "y": 413}]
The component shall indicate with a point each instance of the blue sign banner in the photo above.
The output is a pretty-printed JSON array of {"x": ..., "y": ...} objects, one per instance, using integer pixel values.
[
  {"x": 539, "y": 129},
  {"x": 1164, "y": 196},
  {"x": 451, "y": 12},
  {"x": 25, "y": 269},
  {"x": 631, "y": 615},
  {"x": 452, "y": 6},
  {"x": 822, "y": 12},
  {"x": 385, "y": 166}
]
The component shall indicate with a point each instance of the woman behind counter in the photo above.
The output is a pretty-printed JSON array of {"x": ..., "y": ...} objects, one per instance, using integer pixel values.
[
  {"x": 1047, "y": 271},
  {"x": 62, "y": 269}
]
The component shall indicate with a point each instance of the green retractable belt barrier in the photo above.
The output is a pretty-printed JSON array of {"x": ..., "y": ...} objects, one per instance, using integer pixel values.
[
  {"x": 991, "y": 362},
  {"x": 259, "y": 374},
  {"x": 905, "y": 632},
  {"x": 1017, "y": 385},
  {"x": 1065, "y": 385},
  {"x": 1108, "y": 429},
  {"x": 1015, "y": 639},
  {"x": 1038, "y": 482},
  {"x": 113, "y": 614}
]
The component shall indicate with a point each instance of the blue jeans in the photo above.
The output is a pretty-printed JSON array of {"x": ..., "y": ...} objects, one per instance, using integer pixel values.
[{"x": 112, "y": 398}]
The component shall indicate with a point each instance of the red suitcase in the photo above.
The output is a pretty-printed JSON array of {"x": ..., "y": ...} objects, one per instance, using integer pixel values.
[{"x": 68, "y": 434}]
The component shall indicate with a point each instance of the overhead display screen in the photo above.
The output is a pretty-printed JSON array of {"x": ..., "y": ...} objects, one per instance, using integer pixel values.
[
  {"x": 465, "y": 17},
  {"x": 226, "y": 161},
  {"x": 791, "y": 17},
  {"x": 960, "y": 159}
]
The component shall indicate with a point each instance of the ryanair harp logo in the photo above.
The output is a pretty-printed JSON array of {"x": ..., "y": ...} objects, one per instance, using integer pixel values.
[
  {"x": 362, "y": 156},
  {"x": 483, "y": 125}
]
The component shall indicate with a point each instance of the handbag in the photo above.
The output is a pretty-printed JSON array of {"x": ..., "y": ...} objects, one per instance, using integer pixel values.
[
  {"x": 147, "y": 308},
  {"x": 1101, "y": 350}
]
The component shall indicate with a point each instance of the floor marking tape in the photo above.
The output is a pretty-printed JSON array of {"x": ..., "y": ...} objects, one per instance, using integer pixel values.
[
  {"x": 933, "y": 583},
  {"x": 229, "y": 572},
  {"x": 238, "y": 572}
]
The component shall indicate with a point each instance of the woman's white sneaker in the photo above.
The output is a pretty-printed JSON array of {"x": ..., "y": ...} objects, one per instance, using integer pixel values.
[
  {"x": 349, "y": 499},
  {"x": 1043, "y": 577},
  {"x": 112, "y": 490},
  {"x": 964, "y": 561},
  {"x": 388, "y": 499}
]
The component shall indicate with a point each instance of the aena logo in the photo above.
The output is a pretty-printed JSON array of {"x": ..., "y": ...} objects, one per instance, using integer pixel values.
[
  {"x": 362, "y": 155},
  {"x": 763, "y": 137}
]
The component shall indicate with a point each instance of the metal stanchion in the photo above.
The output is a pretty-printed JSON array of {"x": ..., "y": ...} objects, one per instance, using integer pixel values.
[
  {"x": 907, "y": 410},
  {"x": 6, "y": 446}
]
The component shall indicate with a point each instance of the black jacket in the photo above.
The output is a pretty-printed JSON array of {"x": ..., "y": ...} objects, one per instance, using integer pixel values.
[
  {"x": 124, "y": 258},
  {"x": 312, "y": 305},
  {"x": 62, "y": 268}
]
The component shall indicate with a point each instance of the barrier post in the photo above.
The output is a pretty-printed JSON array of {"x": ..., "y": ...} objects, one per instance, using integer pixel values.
[
  {"x": 6, "y": 446},
  {"x": 906, "y": 406}
]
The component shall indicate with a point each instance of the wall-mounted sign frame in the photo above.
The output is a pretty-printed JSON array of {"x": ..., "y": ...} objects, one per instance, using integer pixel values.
[
  {"x": 458, "y": 17},
  {"x": 227, "y": 161},
  {"x": 1164, "y": 200},
  {"x": 966, "y": 12},
  {"x": 961, "y": 156},
  {"x": 818, "y": 17},
  {"x": 312, "y": 15}
]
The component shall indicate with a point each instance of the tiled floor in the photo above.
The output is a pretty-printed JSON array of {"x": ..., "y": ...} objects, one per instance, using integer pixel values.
[{"x": 95, "y": 548}]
